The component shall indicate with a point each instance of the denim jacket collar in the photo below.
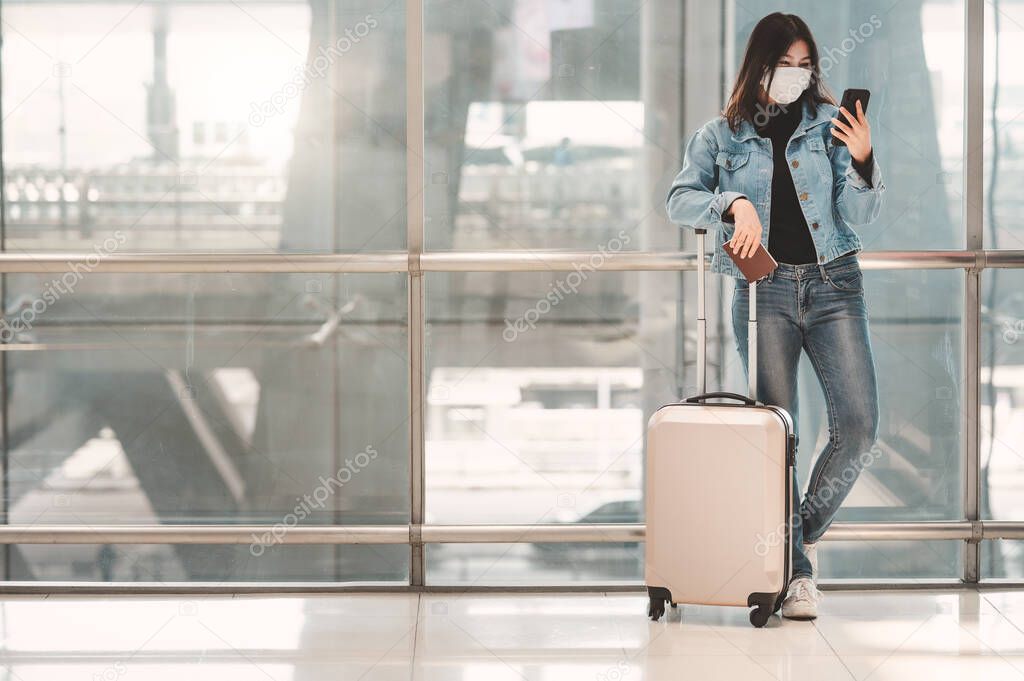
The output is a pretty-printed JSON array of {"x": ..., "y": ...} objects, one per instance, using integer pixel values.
[{"x": 746, "y": 130}]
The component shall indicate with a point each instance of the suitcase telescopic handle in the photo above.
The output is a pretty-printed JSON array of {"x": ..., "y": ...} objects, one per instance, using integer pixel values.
[
  {"x": 702, "y": 333},
  {"x": 723, "y": 395}
]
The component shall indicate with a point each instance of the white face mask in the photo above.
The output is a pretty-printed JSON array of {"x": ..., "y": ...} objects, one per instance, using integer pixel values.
[{"x": 789, "y": 83}]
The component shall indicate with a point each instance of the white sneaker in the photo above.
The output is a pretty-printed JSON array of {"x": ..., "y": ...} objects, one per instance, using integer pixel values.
[{"x": 802, "y": 601}]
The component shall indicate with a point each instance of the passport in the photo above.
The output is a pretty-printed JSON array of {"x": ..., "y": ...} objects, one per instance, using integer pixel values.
[{"x": 757, "y": 266}]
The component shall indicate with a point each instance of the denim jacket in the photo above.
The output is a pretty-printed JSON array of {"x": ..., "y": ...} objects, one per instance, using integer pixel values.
[{"x": 721, "y": 166}]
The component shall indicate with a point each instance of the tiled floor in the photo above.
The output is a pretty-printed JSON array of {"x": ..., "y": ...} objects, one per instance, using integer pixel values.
[{"x": 601, "y": 637}]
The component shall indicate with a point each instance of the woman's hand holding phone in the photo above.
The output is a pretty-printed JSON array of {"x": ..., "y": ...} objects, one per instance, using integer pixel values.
[
  {"x": 855, "y": 131},
  {"x": 747, "y": 236}
]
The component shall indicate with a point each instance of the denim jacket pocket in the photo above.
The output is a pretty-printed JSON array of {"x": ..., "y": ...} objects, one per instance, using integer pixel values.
[
  {"x": 816, "y": 147},
  {"x": 730, "y": 176},
  {"x": 732, "y": 160}
]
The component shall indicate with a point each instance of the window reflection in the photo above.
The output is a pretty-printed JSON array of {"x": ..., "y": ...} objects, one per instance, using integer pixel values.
[
  {"x": 203, "y": 126},
  {"x": 1002, "y": 416}
]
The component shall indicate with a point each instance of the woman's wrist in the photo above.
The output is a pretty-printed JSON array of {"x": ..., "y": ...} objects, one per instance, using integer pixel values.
[
  {"x": 867, "y": 157},
  {"x": 734, "y": 207},
  {"x": 865, "y": 168}
]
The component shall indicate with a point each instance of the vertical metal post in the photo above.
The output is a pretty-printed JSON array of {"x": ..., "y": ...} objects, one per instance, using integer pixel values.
[
  {"x": 415, "y": 171},
  {"x": 752, "y": 341},
  {"x": 973, "y": 218},
  {"x": 335, "y": 281},
  {"x": 5, "y": 411},
  {"x": 702, "y": 322}
]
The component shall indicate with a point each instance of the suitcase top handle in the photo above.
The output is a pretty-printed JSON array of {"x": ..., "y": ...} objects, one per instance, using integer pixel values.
[{"x": 724, "y": 395}]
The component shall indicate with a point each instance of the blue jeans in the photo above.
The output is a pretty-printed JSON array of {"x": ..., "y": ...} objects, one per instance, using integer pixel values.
[{"x": 819, "y": 309}]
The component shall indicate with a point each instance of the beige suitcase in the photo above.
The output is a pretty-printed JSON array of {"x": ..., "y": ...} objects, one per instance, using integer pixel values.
[{"x": 718, "y": 493}]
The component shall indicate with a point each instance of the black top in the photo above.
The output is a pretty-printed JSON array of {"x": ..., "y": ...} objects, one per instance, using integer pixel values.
[{"x": 789, "y": 239}]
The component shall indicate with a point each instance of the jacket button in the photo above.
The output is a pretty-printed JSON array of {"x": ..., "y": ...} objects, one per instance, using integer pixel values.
[
  {"x": 803, "y": 197},
  {"x": 728, "y": 164},
  {"x": 796, "y": 164},
  {"x": 821, "y": 258},
  {"x": 815, "y": 225}
]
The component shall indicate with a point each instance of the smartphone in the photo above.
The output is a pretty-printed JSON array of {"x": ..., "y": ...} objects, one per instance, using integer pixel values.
[
  {"x": 758, "y": 266},
  {"x": 849, "y": 102}
]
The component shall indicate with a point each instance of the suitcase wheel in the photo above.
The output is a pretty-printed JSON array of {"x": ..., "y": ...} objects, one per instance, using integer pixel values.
[
  {"x": 656, "y": 605},
  {"x": 764, "y": 606},
  {"x": 656, "y": 608},
  {"x": 759, "y": 616}
]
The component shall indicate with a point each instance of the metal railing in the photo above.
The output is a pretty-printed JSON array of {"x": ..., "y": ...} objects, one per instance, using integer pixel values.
[
  {"x": 456, "y": 261},
  {"x": 963, "y": 530}
]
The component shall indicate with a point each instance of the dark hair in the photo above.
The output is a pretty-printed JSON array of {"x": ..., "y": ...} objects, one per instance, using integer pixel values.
[{"x": 769, "y": 41}]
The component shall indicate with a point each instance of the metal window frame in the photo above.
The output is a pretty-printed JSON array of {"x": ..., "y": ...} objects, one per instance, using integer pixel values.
[
  {"x": 414, "y": 262},
  {"x": 415, "y": 162},
  {"x": 973, "y": 221}
]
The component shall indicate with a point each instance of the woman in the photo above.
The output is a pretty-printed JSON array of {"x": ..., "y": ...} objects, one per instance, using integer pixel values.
[{"x": 768, "y": 171}]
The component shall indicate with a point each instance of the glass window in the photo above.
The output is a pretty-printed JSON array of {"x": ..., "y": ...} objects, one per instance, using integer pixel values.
[
  {"x": 1002, "y": 412},
  {"x": 521, "y": 372},
  {"x": 1004, "y": 130},
  {"x": 280, "y": 127},
  {"x": 910, "y": 56},
  {"x": 857, "y": 561},
  {"x": 522, "y": 422},
  {"x": 542, "y": 143},
  {"x": 204, "y": 127},
  {"x": 917, "y": 342},
  {"x": 535, "y": 124},
  {"x": 251, "y": 399},
  {"x": 167, "y": 564},
  {"x": 1002, "y": 560}
]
